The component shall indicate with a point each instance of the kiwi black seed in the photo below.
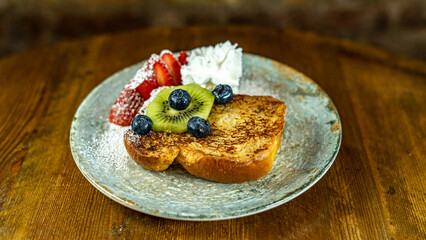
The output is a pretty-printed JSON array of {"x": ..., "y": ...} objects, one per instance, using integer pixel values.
[{"x": 165, "y": 118}]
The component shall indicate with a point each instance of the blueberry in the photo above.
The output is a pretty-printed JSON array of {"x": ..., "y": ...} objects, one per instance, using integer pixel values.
[
  {"x": 179, "y": 99},
  {"x": 142, "y": 124},
  {"x": 222, "y": 94},
  {"x": 198, "y": 127}
]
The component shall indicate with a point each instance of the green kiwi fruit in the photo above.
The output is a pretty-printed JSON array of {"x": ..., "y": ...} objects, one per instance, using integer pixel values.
[{"x": 167, "y": 119}]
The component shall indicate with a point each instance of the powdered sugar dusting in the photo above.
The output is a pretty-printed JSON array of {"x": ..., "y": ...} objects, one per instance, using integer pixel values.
[
  {"x": 143, "y": 73},
  {"x": 111, "y": 146},
  {"x": 126, "y": 106},
  {"x": 165, "y": 51}
]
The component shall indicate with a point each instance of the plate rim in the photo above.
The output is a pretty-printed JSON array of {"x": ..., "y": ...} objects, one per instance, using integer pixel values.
[{"x": 248, "y": 211}]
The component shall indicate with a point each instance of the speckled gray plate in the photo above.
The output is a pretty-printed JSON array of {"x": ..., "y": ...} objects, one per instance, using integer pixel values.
[{"x": 310, "y": 143}]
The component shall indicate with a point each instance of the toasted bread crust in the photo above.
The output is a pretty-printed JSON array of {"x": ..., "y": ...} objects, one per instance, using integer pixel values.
[
  {"x": 157, "y": 154},
  {"x": 246, "y": 134},
  {"x": 227, "y": 170},
  {"x": 151, "y": 162}
]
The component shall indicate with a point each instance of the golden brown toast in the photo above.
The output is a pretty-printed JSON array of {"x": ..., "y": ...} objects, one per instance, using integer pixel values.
[{"x": 244, "y": 139}]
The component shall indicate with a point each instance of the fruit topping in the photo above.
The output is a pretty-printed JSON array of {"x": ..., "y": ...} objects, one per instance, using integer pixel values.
[
  {"x": 167, "y": 119},
  {"x": 222, "y": 94},
  {"x": 164, "y": 78},
  {"x": 179, "y": 99},
  {"x": 125, "y": 107},
  {"x": 146, "y": 72},
  {"x": 159, "y": 71},
  {"x": 173, "y": 66},
  {"x": 142, "y": 124},
  {"x": 146, "y": 87},
  {"x": 199, "y": 127},
  {"x": 182, "y": 58}
]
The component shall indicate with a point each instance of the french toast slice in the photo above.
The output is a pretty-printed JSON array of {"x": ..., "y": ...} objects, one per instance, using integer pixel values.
[{"x": 244, "y": 139}]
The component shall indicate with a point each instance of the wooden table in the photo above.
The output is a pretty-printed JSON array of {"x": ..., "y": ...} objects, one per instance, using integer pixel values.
[{"x": 374, "y": 190}]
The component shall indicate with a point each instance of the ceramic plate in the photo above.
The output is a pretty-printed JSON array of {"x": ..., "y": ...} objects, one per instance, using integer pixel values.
[{"x": 310, "y": 143}]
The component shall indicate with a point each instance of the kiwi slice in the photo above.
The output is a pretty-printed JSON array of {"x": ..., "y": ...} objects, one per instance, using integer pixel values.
[{"x": 167, "y": 119}]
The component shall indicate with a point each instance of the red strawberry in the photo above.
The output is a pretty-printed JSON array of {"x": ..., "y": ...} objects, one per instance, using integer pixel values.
[
  {"x": 163, "y": 76},
  {"x": 173, "y": 66},
  {"x": 146, "y": 87},
  {"x": 126, "y": 107},
  {"x": 182, "y": 58},
  {"x": 143, "y": 73}
]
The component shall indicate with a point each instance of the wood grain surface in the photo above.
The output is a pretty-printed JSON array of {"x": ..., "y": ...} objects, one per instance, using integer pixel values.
[{"x": 374, "y": 190}]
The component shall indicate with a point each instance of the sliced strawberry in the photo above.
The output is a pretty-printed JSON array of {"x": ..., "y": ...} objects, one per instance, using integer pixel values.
[
  {"x": 174, "y": 67},
  {"x": 145, "y": 72},
  {"x": 146, "y": 87},
  {"x": 126, "y": 107},
  {"x": 164, "y": 78},
  {"x": 182, "y": 58}
]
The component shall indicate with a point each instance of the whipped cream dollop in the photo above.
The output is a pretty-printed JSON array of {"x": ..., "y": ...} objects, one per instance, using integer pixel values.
[{"x": 213, "y": 65}]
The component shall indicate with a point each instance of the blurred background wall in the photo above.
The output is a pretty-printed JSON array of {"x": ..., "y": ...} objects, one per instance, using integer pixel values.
[{"x": 395, "y": 25}]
